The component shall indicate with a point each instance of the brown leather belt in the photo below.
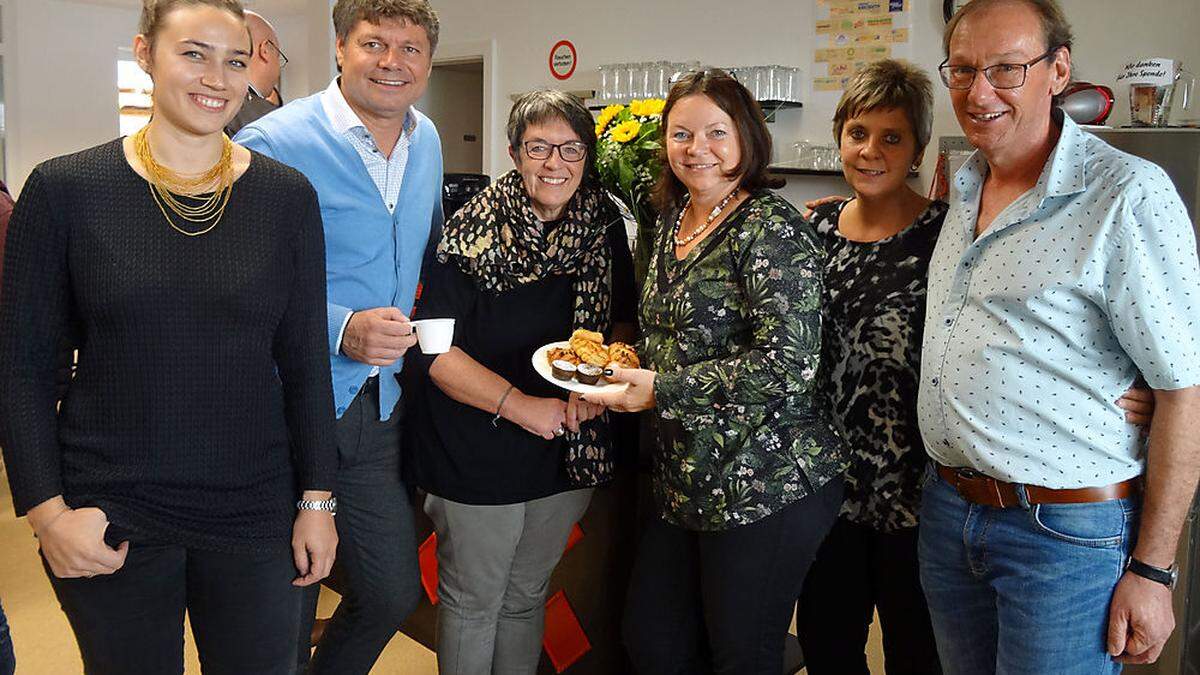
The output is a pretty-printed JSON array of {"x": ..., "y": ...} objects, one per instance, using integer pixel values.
[{"x": 984, "y": 490}]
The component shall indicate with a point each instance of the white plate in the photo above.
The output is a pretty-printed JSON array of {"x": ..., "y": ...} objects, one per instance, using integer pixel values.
[{"x": 542, "y": 366}]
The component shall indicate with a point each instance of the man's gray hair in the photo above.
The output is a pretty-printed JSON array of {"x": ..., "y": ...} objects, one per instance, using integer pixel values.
[{"x": 1056, "y": 30}]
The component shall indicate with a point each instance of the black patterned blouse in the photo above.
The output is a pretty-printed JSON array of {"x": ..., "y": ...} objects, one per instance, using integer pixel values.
[
  {"x": 733, "y": 331},
  {"x": 873, "y": 313}
]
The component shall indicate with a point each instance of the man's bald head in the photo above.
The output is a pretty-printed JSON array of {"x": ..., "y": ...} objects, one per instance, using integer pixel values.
[{"x": 265, "y": 64}]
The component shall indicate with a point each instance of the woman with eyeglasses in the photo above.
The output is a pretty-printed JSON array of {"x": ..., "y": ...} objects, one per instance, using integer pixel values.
[{"x": 509, "y": 460}]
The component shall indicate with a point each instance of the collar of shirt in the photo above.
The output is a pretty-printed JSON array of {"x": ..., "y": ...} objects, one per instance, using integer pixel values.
[
  {"x": 1063, "y": 175},
  {"x": 345, "y": 120}
]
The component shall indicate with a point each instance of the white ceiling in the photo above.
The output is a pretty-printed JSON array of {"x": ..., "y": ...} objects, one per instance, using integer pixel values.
[{"x": 268, "y": 8}]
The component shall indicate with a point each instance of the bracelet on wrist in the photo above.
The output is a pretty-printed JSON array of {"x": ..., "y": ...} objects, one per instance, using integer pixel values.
[{"x": 500, "y": 406}]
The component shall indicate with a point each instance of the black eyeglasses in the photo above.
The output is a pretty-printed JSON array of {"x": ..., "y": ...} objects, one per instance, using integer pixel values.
[
  {"x": 1000, "y": 76},
  {"x": 571, "y": 151},
  {"x": 283, "y": 59}
]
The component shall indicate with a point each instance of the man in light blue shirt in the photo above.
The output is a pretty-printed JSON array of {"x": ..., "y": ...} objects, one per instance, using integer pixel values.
[
  {"x": 376, "y": 164},
  {"x": 1064, "y": 268}
]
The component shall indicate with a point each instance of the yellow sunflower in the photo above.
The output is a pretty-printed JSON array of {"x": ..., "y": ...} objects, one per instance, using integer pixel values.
[
  {"x": 606, "y": 116},
  {"x": 652, "y": 106},
  {"x": 647, "y": 107},
  {"x": 626, "y": 131}
]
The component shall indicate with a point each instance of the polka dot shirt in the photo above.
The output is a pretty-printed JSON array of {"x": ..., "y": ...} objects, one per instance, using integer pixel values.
[{"x": 1034, "y": 330}]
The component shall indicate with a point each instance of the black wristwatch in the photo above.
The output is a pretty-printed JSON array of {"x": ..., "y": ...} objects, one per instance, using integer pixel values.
[{"x": 1166, "y": 577}]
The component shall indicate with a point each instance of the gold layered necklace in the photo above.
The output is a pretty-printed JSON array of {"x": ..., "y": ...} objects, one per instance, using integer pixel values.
[
  {"x": 680, "y": 242},
  {"x": 167, "y": 185}
]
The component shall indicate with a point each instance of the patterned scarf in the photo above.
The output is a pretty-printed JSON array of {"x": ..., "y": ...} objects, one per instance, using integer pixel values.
[{"x": 497, "y": 240}]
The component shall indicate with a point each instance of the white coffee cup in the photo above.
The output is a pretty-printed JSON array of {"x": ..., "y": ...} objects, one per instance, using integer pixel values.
[{"x": 434, "y": 335}]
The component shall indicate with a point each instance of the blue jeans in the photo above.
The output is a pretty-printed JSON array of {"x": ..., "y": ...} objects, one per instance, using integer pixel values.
[
  {"x": 1024, "y": 589},
  {"x": 8, "y": 662}
]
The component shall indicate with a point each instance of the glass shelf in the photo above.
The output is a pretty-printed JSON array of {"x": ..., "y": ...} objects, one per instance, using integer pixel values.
[{"x": 769, "y": 107}]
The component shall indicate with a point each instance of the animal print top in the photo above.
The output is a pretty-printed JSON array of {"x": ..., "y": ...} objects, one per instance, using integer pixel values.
[{"x": 872, "y": 314}]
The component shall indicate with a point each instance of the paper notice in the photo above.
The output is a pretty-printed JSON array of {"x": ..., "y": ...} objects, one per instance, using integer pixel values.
[
  {"x": 841, "y": 69},
  {"x": 1148, "y": 71},
  {"x": 858, "y": 7},
  {"x": 829, "y": 83},
  {"x": 852, "y": 33}
]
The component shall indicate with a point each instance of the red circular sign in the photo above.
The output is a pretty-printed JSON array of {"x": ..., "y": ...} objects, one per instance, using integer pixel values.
[{"x": 563, "y": 59}]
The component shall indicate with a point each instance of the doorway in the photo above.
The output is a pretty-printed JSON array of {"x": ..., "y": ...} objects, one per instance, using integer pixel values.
[{"x": 454, "y": 101}]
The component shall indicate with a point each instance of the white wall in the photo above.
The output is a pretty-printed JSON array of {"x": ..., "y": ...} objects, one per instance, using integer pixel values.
[
  {"x": 293, "y": 40},
  {"x": 61, "y": 86},
  {"x": 454, "y": 100},
  {"x": 62, "y": 92},
  {"x": 751, "y": 32}
]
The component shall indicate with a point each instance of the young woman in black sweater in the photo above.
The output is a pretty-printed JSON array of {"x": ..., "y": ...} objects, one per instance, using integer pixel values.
[{"x": 189, "y": 466}]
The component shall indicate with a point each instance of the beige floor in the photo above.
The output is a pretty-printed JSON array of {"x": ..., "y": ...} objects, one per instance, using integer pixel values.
[{"x": 45, "y": 646}]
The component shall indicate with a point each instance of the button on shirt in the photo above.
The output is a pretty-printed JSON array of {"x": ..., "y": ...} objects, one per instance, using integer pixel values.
[
  {"x": 1036, "y": 328},
  {"x": 386, "y": 172}
]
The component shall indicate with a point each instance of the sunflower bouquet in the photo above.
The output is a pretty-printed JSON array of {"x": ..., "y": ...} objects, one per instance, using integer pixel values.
[{"x": 628, "y": 141}]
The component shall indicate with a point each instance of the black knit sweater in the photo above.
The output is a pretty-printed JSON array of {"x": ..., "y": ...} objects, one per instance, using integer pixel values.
[{"x": 202, "y": 401}]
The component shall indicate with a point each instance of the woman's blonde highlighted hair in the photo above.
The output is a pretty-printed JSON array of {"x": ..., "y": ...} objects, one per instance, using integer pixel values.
[{"x": 882, "y": 85}]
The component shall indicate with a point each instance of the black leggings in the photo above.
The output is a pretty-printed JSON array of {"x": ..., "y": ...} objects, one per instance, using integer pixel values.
[
  {"x": 720, "y": 602},
  {"x": 857, "y": 570},
  {"x": 243, "y": 608}
]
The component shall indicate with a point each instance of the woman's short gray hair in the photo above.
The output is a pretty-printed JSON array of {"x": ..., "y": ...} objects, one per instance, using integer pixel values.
[
  {"x": 544, "y": 105},
  {"x": 890, "y": 83}
]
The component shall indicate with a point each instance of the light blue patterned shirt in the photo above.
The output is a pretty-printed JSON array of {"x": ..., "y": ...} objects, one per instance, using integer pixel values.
[
  {"x": 1036, "y": 328},
  {"x": 386, "y": 172}
]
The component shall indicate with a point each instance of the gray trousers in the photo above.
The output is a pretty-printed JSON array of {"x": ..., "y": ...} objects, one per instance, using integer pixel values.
[
  {"x": 494, "y": 566},
  {"x": 377, "y": 546}
]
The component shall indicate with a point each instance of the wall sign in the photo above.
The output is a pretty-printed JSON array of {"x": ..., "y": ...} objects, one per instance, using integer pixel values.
[
  {"x": 853, "y": 33},
  {"x": 563, "y": 59},
  {"x": 1149, "y": 71}
]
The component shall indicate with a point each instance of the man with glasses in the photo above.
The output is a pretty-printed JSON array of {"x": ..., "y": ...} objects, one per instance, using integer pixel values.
[
  {"x": 1064, "y": 268},
  {"x": 266, "y": 63}
]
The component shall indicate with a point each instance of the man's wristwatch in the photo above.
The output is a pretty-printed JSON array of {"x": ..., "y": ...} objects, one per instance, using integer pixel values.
[
  {"x": 1167, "y": 577},
  {"x": 329, "y": 505}
]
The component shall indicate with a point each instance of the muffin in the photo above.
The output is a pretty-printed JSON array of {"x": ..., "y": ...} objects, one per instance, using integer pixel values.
[
  {"x": 588, "y": 374},
  {"x": 562, "y": 370}
]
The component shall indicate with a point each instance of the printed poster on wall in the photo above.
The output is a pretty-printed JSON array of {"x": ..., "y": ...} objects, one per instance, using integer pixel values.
[{"x": 853, "y": 33}]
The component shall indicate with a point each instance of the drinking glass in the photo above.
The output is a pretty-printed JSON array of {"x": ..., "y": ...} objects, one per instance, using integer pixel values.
[
  {"x": 660, "y": 71},
  {"x": 605, "y": 83},
  {"x": 620, "y": 88}
]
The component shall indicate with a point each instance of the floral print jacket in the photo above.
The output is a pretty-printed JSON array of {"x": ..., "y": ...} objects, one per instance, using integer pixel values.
[{"x": 734, "y": 333}]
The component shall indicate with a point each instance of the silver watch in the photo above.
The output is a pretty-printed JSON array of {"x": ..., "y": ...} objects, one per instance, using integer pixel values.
[{"x": 329, "y": 505}]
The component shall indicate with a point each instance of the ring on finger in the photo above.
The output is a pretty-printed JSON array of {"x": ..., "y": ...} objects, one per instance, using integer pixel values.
[{"x": 560, "y": 431}]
